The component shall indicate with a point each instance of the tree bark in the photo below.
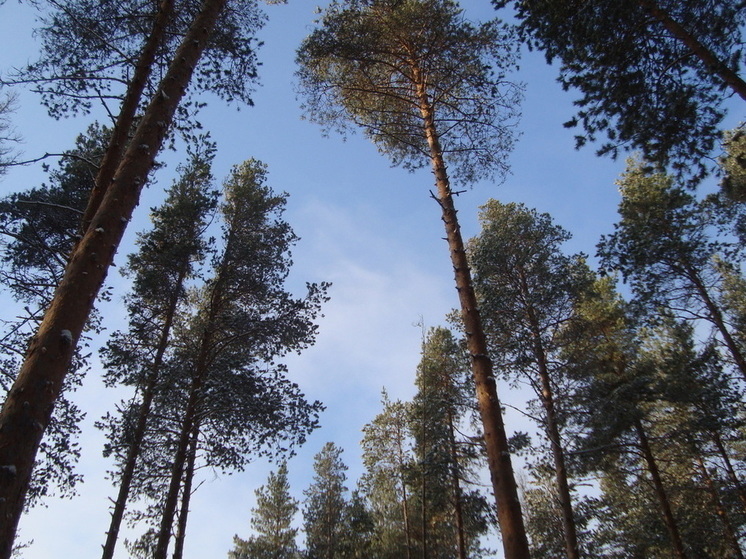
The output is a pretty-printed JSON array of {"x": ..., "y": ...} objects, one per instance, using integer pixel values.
[
  {"x": 717, "y": 503},
  {"x": 133, "y": 452},
  {"x": 186, "y": 495},
  {"x": 729, "y": 468},
  {"x": 716, "y": 317},
  {"x": 457, "y": 496},
  {"x": 660, "y": 491},
  {"x": 512, "y": 530},
  {"x": 713, "y": 63},
  {"x": 546, "y": 396},
  {"x": 127, "y": 112},
  {"x": 28, "y": 407}
]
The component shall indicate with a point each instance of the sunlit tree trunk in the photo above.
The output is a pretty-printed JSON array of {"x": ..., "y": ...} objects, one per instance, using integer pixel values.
[
  {"x": 28, "y": 407},
  {"x": 546, "y": 396},
  {"x": 660, "y": 491},
  {"x": 515, "y": 542},
  {"x": 128, "y": 111}
]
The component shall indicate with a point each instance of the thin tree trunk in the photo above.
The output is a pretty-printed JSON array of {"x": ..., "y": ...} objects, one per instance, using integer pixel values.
[
  {"x": 660, "y": 491},
  {"x": 546, "y": 396},
  {"x": 713, "y": 64},
  {"x": 177, "y": 471},
  {"x": 423, "y": 486},
  {"x": 133, "y": 452},
  {"x": 512, "y": 530},
  {"x": 405, "y": 500},
  {"x": 28, "y": 407},
  {"x": 199, "y": 375},
  {"x": 717, "y": 503},
  {"x": 127, "y": 112},
  {"x": 457, "y": 497},
  {"x": 716, "y": 317},
  {"x": 186, "y": 495},
  {"x": 729, "y": 468}
]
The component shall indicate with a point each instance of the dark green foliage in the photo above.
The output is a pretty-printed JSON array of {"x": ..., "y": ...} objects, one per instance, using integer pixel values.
[
  {"x": 733, "y": 164},
  {"x": 640, "y": 86},
  {"x": 221, "y": 382},
  {"x": 272, "y": 520},
  {"x": 325, "y": 504},
  {"x": 83, "y": 62}
]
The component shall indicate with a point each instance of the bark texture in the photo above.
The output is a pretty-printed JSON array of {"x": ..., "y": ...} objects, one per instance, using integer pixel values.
[
  {"x": 512, "y": 530},
  {"x": 28, "y": 407}
]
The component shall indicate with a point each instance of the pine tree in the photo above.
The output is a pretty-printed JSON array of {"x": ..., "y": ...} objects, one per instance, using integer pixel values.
[
  {"x": 324, "y": 505},
  {"x": 228, "y": 390},
  {"x": 160, "y": 271},
  {"x": 665, "y": 245},
  {"x": 428, "y": 88},
  {"x": 272, "y": 520},
  {"x": 27, "y": 410},
  {"x": 385, "y": 483},
  {"x": 652, "y": 74},
  {"x": 38, "y": 228},
  {"x": 526, "y": 289},
  {"x": 451, "y": 516}
]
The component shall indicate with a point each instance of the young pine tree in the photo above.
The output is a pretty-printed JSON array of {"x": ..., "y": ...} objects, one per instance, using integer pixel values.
[{"x": 271, "y": 520}]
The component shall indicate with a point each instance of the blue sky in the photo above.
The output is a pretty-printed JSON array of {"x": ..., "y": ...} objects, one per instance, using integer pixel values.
[{"x": 370, "y": 229}]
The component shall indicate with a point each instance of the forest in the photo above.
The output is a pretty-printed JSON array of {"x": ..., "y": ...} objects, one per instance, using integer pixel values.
[{"x": 372, "y": 279}]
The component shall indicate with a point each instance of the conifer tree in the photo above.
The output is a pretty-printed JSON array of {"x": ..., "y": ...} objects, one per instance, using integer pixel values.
[
  {"x": 653, "y": 75},
  {"x": 27, "y": 409},
  {"x": 452, "y": 516},
  {"x": 37, "y": 232},
  {"x": 229, "y": 391},
  {"x": 385, "y": 483},
  {"x": 665, "y": 244},
  {"x": 324, "y": 505},
  {"x": 527, "y": 288},
  {"x": 428, "y": 88},
  {"x": 160, "y": 271},
  {"x": 272, "y": 520}
]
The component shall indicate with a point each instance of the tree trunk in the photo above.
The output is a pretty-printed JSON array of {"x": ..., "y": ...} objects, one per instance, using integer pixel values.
[
  {"x": 713, "y": 64},
  {"x": 28, "y": 407},
  {"x": 717, "y": 503},
  {"x": 716, "y": 317},
  {"x": 668, "y": 518},
  {"x": 133, "y": 452},
  {"x": 512, "y": 530},
  {"x": 182, "y": 450},
  {"x": 186, "y": 495},
  {"x": 546, "y": 396},
  {"x": 729, "y": 468},
  {"x": 405, "y": 500},
  {"x": 127, "y": 112},
  {"x": 457, "y": 498}
]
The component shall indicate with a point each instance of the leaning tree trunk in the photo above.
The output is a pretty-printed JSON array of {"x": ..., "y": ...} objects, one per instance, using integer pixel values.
[
  {"x": 28, "y": 407},
  {"x": 732, "y": 476},
  {"x": 133, "y": 451},
  {"x": 127, "y": 112},
  {"x": 182, "y": 447},
  {"x": 512, "y": 530},
  {"x": 546, "y": 396},
  {"x": 186, "y": 495},
  {"x": 717, "y": 503},
  {"x": 716, "y": 317},
  {"x": 660, "y": 491},
  {"x": 716, "y": 66}
]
